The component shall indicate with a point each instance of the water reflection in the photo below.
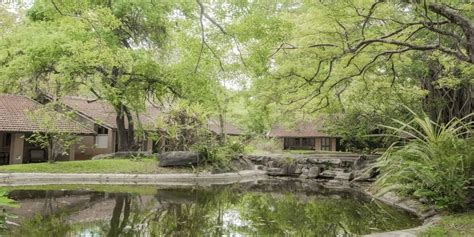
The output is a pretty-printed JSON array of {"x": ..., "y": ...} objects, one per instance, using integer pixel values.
[{"x": 263, "y": 209}]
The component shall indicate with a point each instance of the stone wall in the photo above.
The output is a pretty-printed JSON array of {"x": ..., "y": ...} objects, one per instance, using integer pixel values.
[{"x": 333, "y": 167}]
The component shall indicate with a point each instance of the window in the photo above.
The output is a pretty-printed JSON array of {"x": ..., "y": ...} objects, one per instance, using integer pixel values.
[
  {"x": 296, "y": 142},
  {"x": 102, "y": 130},
  {"x": 102, "y": 138},
  {"x": 7, "y": 140},
  {"x": 308, "y": 142},
  {"x": 326, "y": 143}
]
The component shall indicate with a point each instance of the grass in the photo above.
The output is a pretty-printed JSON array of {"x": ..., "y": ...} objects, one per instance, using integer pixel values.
[
  {"x": 109, "y": 166},
  {"x": 453, "y": 225}
]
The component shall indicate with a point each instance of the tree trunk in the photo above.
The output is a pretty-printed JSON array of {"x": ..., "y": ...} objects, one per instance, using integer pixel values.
[
  {"x": 221, "y": 136},
  {"x": 50, "y": 150},
  {"x": 121, "y": 131},
  {"x": 125, "y": 136},
  {"x": 444, "y": 104},
  {"x": 132, "y": 144},
  {"x": 222, "y": 132},
  {"x": 115, "y": 229}
]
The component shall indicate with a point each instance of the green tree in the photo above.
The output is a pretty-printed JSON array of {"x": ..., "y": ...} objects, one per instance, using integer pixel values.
[
  {"x": 361, "y": 40},
  {"x": 101, "y": 48},
  {"x": 57, "y": 140}
]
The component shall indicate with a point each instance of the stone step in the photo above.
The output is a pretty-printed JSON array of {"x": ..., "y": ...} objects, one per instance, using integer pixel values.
[{"x": 344, "y": 176}]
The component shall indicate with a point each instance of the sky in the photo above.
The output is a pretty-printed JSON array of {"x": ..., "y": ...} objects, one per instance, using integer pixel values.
[{"x": 14, "y": 5}]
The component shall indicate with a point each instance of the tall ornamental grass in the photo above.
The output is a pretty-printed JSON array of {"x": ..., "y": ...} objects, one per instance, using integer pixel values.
[{"x": 431, "y": 161}]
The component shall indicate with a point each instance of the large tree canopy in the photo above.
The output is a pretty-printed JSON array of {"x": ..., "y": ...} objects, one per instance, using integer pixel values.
[
  {"x": 363, "y": 59},
  {"x": 369, "y": 59}
]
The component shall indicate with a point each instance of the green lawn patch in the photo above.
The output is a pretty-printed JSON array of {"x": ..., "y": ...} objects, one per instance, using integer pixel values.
[
  {"x": 110, "y": 166},
  {"x": 453, "y": 225}
]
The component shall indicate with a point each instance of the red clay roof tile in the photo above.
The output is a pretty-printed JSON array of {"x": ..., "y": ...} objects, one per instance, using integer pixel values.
[
  {"x": 17, "y": 114},
  {"x": 104, "y": 113}
]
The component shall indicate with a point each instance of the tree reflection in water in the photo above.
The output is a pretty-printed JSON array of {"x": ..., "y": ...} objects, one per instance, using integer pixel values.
[{"x": 215, "y": 211}]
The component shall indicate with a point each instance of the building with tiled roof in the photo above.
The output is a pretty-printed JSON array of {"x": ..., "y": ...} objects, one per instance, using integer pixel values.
[
  {"x": 103, "y": 113},
  {"x": 305, "y": 135},
  {"x": 100, "y": 116},
  {"x": 19, "y": 118},
  {"x": 17, "y": 114},
  {"x": 229, "y": 128}
]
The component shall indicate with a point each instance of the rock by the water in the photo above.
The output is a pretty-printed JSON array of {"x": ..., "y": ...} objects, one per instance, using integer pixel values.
[
  {"x": 241, "y": 163},
  {"x": 299, "y": 169},
  {"x": 291, "y": 169},
  {"x": 328, "y": 174},
  {"x": 345, "y": 176},
  {"x": 284, "y": 170},
  {"x": 341, "y": 167},
  {"x": 318, "y": 161},
  {"x": 313, "y": 172},
  {"x": 275, "y": 172},
  {"x": 178, "y": 158}
]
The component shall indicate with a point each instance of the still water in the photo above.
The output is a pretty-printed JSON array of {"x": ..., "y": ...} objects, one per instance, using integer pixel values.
[{"x": 264, "y": 208}]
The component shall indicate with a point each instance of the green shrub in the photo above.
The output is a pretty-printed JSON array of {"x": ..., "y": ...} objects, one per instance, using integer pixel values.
[
  {"x": 220, "y": 155},
  {"x": 4, "y": 215},
  {"x": 432, "y": 161},
  {"x": 260, "y": 144}
]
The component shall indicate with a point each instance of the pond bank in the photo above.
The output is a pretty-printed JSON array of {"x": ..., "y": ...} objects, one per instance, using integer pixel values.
[
  {"x": 427, "y": 214},
  {"x": 181, "y": 179},
  {"x": 293, "y": 207},
  {"x": 207, "y": 179}
]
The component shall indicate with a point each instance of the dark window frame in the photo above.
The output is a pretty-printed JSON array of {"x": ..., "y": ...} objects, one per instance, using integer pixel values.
[
  {"x": 326, "y": 144},
  {"x": 308, "y": 142},
  {"x": 102, "y": 130},
  {"x": 8, "y": 140}
]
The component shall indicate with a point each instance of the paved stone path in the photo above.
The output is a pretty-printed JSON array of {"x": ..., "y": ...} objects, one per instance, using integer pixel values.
[{"x": 15, "y": 179}]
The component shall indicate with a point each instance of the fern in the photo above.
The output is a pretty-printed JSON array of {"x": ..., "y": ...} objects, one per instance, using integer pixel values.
[{"x": 432, "y": 161}]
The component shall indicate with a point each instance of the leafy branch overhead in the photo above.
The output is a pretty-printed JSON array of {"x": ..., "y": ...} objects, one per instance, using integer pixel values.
[
  {"x": 255, "y": 62},
  {"x": 361, "y": 40}
]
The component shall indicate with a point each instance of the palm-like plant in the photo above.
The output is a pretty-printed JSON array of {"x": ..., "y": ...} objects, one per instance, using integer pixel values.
[{"x": 431, "y": 160}]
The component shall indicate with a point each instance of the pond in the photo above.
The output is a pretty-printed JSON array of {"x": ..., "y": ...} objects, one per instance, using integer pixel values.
[{"x": 264, "y": 208}]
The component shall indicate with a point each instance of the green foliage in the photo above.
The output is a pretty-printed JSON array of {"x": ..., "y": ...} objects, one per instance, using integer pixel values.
[
  {"x": 5, "y": 215},
  {"x": 5, "y": 201},
  {"x": 314, "y": 68},
  {"x": 220, "y": 155},
  {"x": 183, "y": 126},
  {"x": 44, "y": 226},
  {"x": 57, "y": 141},
  {"x": 435, "y": 162},
  {"x": 262, "y": 144},
  {"x": 365, "y": 105},
  {"x": 102, "y": 49}
]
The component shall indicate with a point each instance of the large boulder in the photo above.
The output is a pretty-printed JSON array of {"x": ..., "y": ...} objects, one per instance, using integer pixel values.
[
  {"x": 241, "y": 163},
  {"x": 328, "y": 174},
  {"x": 276, "y": 172},
  {"x": 344, "y": 176},
  {"x": 285, "y": 169},
  {"x": 178, "y": 158},
  {"x": 313, "y": 172}
]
